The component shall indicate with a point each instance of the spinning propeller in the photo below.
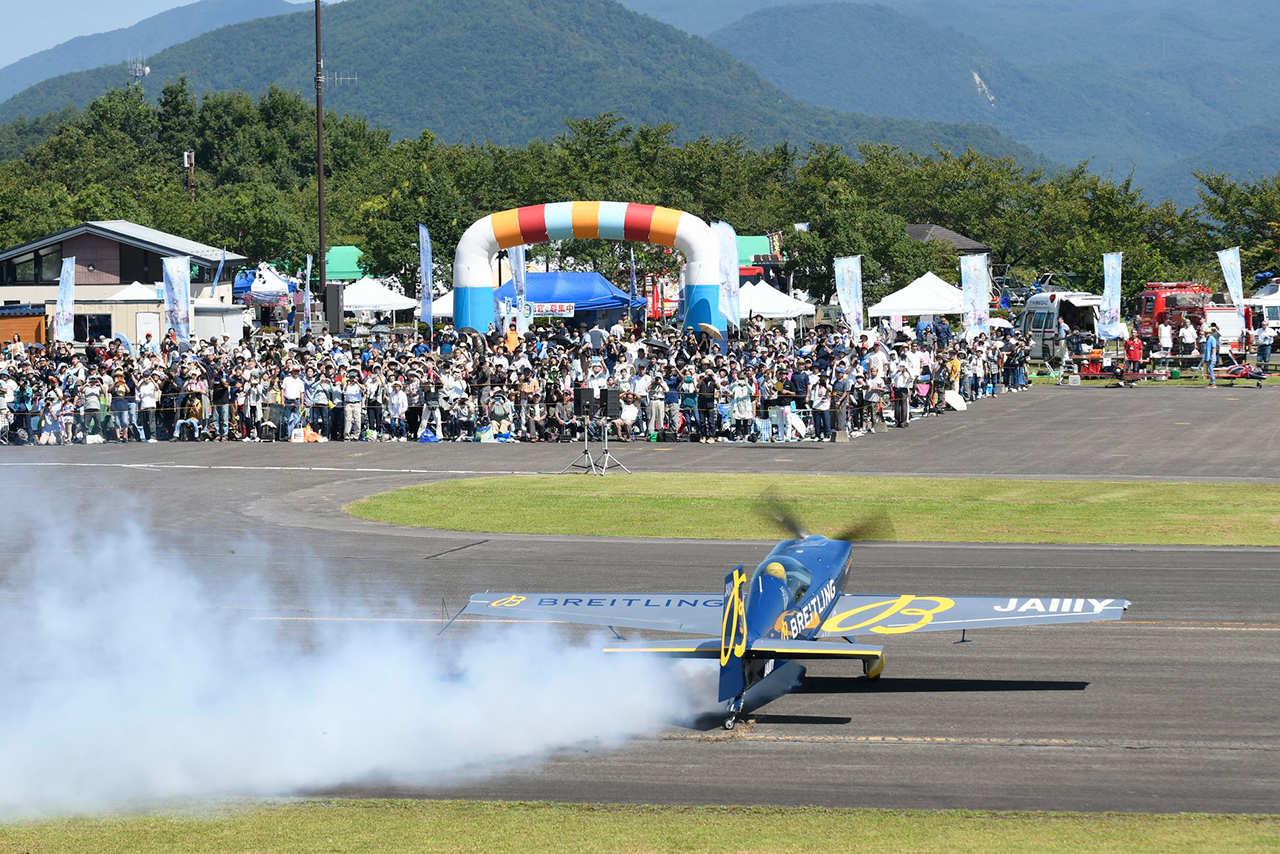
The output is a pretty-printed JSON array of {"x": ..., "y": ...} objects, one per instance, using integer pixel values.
[{"x": 872, "y": 526}]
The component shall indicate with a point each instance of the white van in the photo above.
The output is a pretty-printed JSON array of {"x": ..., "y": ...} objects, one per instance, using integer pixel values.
[{"x": 1040, "y": 317}]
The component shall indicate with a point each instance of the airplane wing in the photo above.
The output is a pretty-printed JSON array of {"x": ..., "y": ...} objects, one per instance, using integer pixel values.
[
  {"x": 858, "y": 614},
  {"x": 695, "y": 613}
]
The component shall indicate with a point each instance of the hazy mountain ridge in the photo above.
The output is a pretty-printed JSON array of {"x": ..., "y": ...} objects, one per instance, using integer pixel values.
[
  {"x": 863, "y": 58},
  {"x": 423, "y": 65},
  {"x": 145, "y": 37}
]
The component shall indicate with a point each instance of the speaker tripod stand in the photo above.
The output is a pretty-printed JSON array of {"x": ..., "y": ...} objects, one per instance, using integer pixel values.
[
  {"x": 585, "y": 461},
  {"x": 607, "y": 459},
  {"x": 591, "y": 464}
]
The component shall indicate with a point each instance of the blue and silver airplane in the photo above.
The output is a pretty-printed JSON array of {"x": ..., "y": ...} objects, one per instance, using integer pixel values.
[{"x": 784, "y": 611}]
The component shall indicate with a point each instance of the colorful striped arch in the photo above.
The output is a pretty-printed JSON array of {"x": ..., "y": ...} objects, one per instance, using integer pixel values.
[{"x": 473, "y": 264}]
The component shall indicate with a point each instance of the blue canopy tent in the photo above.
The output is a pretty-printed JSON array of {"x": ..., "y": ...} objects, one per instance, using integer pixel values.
[{"x": 589, "y": 292}]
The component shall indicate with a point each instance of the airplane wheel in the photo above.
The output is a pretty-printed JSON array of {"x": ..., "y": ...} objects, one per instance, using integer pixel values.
[{"x": 730, "y": 722}]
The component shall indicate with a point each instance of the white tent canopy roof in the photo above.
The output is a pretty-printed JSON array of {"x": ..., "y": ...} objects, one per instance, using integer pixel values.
[
  {"x": 371, "y": 295},
  {"x": 761, "y": 298},
  {"x": 928, "y": 294},
  {"x": 269, "y": 283},
  {"x": 441, "y": 306},
  {"x": 136, "y": 291}
]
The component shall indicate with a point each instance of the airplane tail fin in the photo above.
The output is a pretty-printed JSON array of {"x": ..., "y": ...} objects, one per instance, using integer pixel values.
[{"x": 733, "y": 636}]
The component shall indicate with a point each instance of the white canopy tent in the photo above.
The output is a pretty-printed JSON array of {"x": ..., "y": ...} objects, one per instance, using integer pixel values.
[
  {"x": 928, "y": 294},
  {"x": 134, "y": 293},
  {"x": 761, "y": 298},
  {"x": 371, "y": 295},
  {"x": 269, "y": 285},
  {"x": 441, "y": 306}
]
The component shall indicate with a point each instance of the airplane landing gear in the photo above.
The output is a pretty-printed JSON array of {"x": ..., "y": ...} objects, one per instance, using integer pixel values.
[{"x": 735, "y": 710}]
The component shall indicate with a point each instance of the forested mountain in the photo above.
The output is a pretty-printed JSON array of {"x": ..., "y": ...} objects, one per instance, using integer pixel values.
[
  {"x": 508, "y": 71},
  {"x": 875, "y": 59},
  {"x": 1249, "y": 153},
  {"x": 145, "y": 37},
  {"x": 1128, "y": 84}
]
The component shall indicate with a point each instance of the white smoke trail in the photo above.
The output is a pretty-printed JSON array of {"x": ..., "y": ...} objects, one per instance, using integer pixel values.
[{"x": 123, "y": 681}]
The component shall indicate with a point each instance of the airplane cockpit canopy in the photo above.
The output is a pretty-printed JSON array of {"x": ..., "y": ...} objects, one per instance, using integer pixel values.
[{"x": 789, "y": 570}]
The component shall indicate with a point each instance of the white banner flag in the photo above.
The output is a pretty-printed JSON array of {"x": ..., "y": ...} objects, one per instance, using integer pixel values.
[
  {"x": 515, "y": 257},
  {"x": 1230, "y": 261},
  {"x": 177, "y": 298},
  {"x": 426, "y": 278},
  {"x": 730, "y": 306},
  {"x": 849, "y": 290},
  {"x": 306, "y": 298},
  {"x": 1110, "y": 326},
  {"x": 975, "y": 282},
  {"x": 64, "y": 314}
]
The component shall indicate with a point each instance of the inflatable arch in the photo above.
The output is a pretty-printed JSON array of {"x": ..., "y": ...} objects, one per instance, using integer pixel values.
[{"x": 473, "y": 265}]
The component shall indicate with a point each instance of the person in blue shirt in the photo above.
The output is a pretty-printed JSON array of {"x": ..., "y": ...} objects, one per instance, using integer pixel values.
[
  {"x": 1210, "y": 361},
  {"x": 942, "y": 330}
]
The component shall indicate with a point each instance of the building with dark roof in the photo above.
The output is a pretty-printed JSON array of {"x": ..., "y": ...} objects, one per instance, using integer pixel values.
[
  {"x": 108, "y": 253},
  {"x": 964, "y": 245}
]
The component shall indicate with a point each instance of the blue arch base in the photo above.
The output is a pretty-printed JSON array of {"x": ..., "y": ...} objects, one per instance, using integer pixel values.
[
  {"x": 473, "y": 309},
  {"x": 703, "y": 306}
]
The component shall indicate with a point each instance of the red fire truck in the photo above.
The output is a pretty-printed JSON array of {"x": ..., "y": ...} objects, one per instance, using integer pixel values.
[{"x": 1170, "y": 301}]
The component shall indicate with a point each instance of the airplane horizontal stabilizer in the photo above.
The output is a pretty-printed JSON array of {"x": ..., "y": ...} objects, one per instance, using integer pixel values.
[
  {"x": 792, "y": 650},
  {"x": 692, "y": 648}
]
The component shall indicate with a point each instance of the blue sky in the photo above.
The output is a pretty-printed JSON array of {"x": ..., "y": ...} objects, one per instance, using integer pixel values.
[{"x": 33, "y": 27}]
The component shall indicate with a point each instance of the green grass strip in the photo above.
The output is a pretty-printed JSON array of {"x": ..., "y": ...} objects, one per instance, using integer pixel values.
[
  {"x": 727, "y": 506},
  {"x": 424, "y": 827}
]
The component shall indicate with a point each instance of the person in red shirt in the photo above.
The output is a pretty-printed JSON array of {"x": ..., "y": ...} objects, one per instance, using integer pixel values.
[{"x": 1133, "y": 353}]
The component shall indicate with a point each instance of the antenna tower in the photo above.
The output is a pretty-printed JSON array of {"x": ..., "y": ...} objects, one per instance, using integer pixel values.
[{"x": 137, "y": 68}]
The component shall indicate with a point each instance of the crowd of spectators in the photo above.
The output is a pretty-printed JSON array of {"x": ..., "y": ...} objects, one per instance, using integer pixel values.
[{"x": 768, "y": 385}]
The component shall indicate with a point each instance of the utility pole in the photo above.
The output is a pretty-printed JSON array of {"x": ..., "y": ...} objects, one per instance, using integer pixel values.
[
  {"x": 189, "y": 164},
  {"x": 332, "y": 296}
]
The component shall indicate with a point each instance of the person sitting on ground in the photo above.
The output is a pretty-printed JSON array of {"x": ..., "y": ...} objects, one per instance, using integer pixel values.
[
  {"x": 535, "y": 427},
  {"x": 627, "y": 415},
  {"x": 192, "y": 419},
  {"x": 500, "y": 413}
]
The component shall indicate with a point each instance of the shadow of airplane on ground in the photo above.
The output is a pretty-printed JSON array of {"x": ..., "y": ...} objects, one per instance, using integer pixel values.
[{"x": 885, "y": 685}]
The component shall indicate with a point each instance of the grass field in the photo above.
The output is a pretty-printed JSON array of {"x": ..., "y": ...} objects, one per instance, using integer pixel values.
[
  {"x": 728, "y": 506},
  {"x": 388, "y": 827}
]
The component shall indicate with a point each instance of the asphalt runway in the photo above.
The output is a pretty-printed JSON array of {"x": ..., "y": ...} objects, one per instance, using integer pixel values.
[{"x": 1172, "y": 710}]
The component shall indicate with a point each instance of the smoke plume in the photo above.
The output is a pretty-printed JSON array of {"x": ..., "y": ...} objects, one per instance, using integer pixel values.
[{"x": 125, "y": 679}]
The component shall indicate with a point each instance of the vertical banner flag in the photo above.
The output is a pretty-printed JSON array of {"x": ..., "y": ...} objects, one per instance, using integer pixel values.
[
  {"x": 515, "y": 256},
  {"x": 306, "y": 298},
  {"x": 729, "y": 298},
  {"x": 177, "y": 298},
  {"x": 64, "y": 314},
  {"x": 631, "y": 312},
  {"x": 681, "y": 300},
  {"x": 1110, "y": 326},
  {"x": 1230, "y": 261},
  {"x": 633, "y": 274},
  {"x": 426, "y": 278},
  {"x": 849, "y": 290},
  {"x": 975, "y": 282},
  {"x": 217, "y": 277}
]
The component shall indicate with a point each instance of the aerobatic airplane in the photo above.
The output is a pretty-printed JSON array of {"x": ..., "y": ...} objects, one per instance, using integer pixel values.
[{"x": 783, "y": 612}]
